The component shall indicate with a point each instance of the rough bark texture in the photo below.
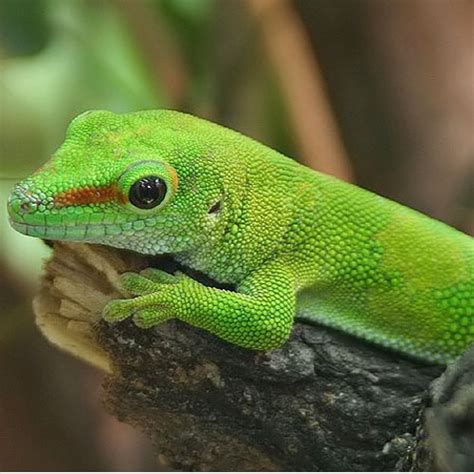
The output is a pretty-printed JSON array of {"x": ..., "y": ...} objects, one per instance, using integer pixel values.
[
  {"x": 324, "y": 401},
  {"x": 449, "y": 418}
]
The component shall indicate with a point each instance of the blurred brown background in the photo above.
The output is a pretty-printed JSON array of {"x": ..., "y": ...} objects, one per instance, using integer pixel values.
[{"x": 376, "y": 91}]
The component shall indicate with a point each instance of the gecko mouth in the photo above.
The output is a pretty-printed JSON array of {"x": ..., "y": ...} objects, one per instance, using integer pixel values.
[{"x": 90, "y": 232}]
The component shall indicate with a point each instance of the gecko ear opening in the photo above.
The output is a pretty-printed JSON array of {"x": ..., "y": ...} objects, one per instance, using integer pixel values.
[
  {"x": 147, "y": 185},
  {"x": 215, "y": 208}
]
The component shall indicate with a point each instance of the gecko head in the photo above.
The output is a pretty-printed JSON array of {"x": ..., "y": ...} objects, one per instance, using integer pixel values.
[{"x": 137, "y": 181}]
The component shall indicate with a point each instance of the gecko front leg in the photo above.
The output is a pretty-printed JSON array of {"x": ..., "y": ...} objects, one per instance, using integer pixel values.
[{"x": 258, "y": 315}]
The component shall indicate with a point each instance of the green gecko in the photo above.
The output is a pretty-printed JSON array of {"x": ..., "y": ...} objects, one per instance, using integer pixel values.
[{"x": 290, "y": 240}]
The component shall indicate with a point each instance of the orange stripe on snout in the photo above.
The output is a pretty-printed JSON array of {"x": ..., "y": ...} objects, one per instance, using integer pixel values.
[{"x": 88, "y": 195}]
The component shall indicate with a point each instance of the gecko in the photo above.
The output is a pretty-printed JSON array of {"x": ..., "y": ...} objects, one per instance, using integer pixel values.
[{"x": 291, "y": 242}]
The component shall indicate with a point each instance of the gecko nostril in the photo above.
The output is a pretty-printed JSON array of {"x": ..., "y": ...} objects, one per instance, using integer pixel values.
[
  {"x": 29, "y": 206},
  {"x": 22, "y": 207}
]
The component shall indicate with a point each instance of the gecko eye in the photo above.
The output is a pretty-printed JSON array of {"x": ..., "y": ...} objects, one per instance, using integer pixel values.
[{"x": 147, "y": 192}]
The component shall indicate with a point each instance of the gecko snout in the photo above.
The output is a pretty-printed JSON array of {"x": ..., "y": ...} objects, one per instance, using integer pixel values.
[{"x": 23, "y": 203}]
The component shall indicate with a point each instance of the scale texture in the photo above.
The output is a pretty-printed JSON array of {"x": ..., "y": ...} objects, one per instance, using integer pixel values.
[{"x": 286, "y": 240}]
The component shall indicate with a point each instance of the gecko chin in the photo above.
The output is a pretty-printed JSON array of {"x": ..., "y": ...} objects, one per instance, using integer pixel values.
[{"x": 111, "y": 235}]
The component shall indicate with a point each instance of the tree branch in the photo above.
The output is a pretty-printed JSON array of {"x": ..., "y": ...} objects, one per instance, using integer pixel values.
[{"x": 324, "y": 401}]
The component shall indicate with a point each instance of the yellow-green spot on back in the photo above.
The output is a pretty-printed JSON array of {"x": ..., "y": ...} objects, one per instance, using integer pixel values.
[{"x": 423, "y": 251}]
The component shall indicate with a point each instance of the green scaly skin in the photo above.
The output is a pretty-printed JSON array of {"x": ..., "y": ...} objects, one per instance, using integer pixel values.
[{"x": 293, "y": 241}]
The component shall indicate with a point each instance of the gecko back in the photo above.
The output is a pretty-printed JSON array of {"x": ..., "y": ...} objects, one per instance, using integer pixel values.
[{"x": 389, "y": 274}]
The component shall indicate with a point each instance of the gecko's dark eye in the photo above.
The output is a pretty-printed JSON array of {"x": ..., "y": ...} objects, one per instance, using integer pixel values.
[{"x": 147, "y": 192}]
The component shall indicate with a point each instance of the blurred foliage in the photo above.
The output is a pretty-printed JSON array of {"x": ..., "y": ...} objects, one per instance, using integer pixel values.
[
  {"x": 14, "y": 16},
  {"x": 74, "y": 71}
]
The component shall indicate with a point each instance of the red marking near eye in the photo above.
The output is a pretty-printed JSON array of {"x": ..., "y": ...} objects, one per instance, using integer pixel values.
[
  {"x": 174, "y": 177},
  {"x": 88, "y": 195}
]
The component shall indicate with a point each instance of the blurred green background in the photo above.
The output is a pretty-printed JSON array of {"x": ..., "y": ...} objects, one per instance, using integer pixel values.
[{"x": 378, "y": 91}]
